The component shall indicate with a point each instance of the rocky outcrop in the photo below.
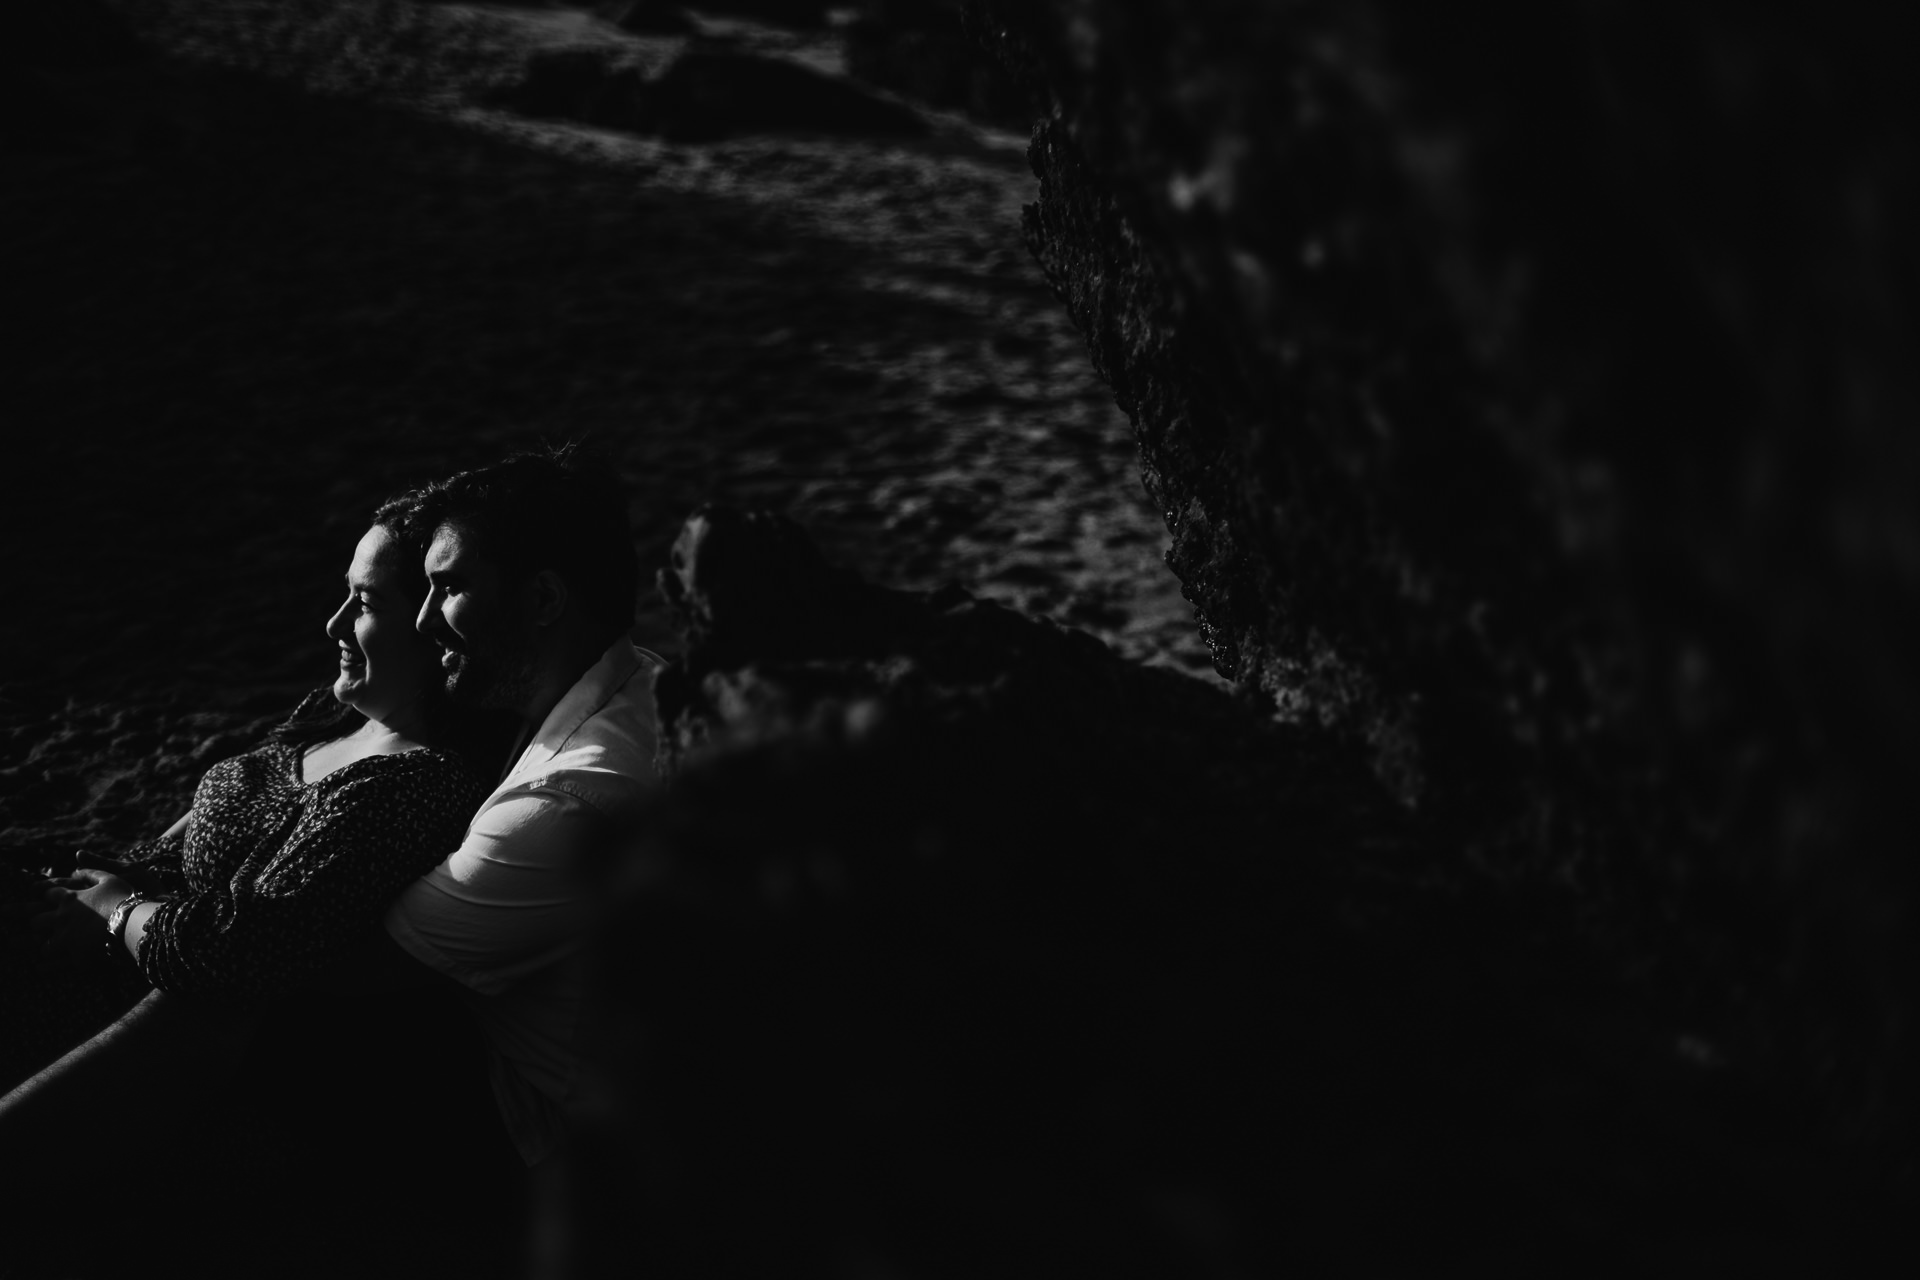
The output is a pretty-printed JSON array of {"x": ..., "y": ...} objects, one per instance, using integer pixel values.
[{"x": 1530, "y": 400}]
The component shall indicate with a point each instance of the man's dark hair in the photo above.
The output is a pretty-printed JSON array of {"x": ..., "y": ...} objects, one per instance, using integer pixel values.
[{"x": 557, "y": 508}]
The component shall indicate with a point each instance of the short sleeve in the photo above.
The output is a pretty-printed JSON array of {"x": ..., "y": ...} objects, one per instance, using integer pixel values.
[{"x": 508, "y": 902}]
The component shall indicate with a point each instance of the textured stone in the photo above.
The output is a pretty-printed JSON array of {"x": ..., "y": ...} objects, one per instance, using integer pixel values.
[{"x": 1529, "y": 396}]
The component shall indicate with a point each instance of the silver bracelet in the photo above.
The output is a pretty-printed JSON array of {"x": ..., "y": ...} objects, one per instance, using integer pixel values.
[{"x": 117, "y": 922}]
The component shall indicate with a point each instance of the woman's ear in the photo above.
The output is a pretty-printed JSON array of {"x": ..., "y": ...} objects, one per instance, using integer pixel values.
[{"x": 549, "y": 597}]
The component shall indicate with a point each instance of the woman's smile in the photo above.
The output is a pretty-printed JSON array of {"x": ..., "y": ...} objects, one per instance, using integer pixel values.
[{"x": 384, "y": 663}]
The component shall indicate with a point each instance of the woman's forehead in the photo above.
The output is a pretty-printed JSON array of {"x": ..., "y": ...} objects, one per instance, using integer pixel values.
[{"x": 380, "y": 559}]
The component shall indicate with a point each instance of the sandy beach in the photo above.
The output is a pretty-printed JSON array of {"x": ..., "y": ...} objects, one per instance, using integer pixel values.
[{"x": 254, "y": 312}]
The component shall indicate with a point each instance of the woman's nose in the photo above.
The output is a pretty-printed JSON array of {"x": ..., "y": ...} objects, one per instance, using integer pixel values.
[{"x": 338, "y": 627}]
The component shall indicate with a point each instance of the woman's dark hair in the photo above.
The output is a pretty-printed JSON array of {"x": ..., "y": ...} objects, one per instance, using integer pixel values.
[{"x": 319, "y": 718}]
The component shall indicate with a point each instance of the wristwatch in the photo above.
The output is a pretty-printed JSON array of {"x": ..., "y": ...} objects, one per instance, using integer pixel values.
[{"x": 117, "y": 922}]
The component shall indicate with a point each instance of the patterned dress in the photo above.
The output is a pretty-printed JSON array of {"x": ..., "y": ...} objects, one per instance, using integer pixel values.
[
  {"x": 276, "y": 877},
  {"x": 271, "y": 878}
]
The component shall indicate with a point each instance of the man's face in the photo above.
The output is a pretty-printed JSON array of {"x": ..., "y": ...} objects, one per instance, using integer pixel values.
[{"x": 480, "y": 617}]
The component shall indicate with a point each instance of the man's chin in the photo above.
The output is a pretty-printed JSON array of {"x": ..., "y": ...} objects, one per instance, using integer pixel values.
[
  {"x": 462, "y": 681},
  {"x": 480, "y": 688}
]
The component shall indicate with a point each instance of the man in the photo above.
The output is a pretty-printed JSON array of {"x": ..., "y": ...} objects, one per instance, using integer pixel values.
[{"x": 532, "y": 584}]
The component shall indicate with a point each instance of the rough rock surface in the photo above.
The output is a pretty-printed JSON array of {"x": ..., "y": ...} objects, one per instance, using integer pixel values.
[{"x": 1530, "y": 394}]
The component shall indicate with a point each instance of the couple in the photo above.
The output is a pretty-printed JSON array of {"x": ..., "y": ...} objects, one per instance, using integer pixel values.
[{"x": 491, "y": 726}]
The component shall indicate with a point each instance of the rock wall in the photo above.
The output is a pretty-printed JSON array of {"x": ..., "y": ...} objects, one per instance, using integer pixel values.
[{"x": 1530, "y": 393}]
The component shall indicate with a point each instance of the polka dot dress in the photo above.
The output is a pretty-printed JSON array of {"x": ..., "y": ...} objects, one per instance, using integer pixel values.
[{"x": 280, "y": 876}]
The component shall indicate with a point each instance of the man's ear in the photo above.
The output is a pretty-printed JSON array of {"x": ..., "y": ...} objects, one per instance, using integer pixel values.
[{"x": 549, "y": 597}]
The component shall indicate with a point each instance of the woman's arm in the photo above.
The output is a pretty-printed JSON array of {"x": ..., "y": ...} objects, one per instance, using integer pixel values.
[
  {"x": 152, "y": 866},
  {"x": 136, "y": 928},
  {"x": 65, "y": 930},
  {"x": 70, "y": 928},
  {"x": 290, "y": 912}
]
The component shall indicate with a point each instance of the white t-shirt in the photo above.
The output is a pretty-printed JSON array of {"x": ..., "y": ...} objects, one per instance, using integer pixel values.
[{"x": 505, "y": 915}]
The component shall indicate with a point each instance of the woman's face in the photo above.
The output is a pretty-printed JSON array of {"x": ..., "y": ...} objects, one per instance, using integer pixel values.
[{"x": 385, "y": 665}]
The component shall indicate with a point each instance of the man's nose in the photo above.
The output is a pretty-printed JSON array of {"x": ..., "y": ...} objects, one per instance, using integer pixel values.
[{"x": 429, "y": 612}]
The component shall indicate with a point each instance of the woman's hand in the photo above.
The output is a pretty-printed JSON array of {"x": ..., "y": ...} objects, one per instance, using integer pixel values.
[
  {"x": 72, "y": 931},
  {"x": 133, "y": 877}
]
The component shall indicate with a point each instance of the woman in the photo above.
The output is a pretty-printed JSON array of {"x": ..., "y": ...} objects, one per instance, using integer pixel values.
[{"x": 291, "y": 851}]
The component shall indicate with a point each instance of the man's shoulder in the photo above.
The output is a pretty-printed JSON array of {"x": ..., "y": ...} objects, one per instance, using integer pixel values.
[{"x": 609, "y": 758}]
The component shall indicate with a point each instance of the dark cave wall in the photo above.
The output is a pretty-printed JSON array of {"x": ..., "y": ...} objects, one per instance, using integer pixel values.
[{"x": 1530, "y": 393}]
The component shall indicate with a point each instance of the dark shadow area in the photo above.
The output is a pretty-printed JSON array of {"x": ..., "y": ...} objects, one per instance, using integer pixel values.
[{"x": 959, "y": 947}]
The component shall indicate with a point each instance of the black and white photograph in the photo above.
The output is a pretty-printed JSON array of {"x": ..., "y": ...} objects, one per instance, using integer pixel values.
[{"x": 959, "y": 639}]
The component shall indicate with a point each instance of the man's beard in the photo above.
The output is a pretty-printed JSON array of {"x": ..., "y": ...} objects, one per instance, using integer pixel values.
[{"x": 489, "y": 681}]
